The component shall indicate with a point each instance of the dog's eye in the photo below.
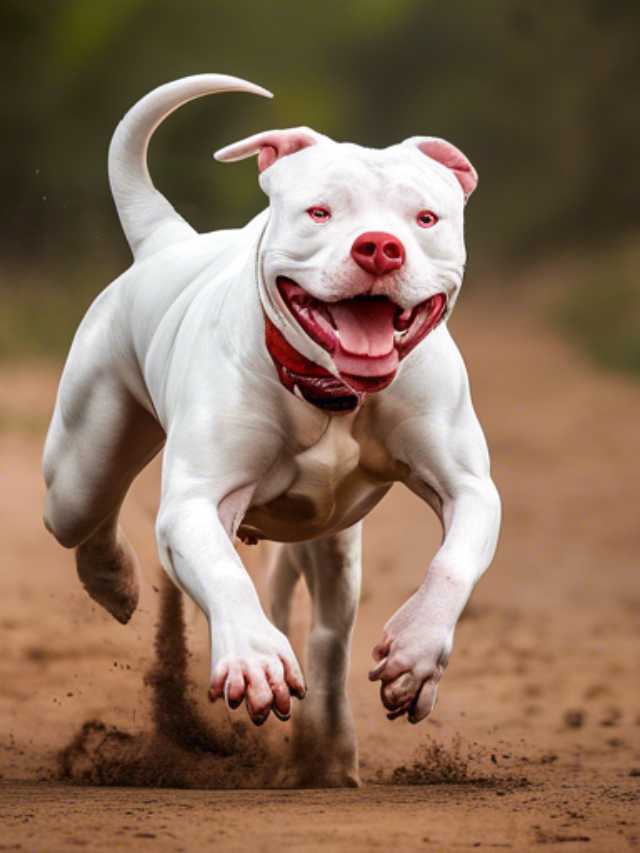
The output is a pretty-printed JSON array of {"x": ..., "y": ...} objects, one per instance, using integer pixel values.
[
  {"x": 319, "y": 214},
  {"x": 427, "y": 219}
]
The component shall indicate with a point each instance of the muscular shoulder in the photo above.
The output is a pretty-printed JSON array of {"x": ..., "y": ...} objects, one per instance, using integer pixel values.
[{"x": 429, "y": 421}]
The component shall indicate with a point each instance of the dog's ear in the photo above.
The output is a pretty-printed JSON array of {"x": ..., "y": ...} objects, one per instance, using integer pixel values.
[
  {"x": 269, "y": 146},
  {"x": 448, "y": 155}
]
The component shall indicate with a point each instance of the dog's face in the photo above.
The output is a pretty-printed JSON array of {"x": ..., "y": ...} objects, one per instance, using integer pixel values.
[{"x": 363, "y": 254}]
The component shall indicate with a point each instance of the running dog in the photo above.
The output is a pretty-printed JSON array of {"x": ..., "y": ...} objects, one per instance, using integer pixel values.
[{"x": 293, "y": 370}]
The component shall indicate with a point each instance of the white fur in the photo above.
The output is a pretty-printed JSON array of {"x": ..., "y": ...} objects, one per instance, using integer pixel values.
[{"x": 173, "y": 354}]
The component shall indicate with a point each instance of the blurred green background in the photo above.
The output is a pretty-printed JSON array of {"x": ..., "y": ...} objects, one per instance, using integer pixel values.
[{"x": 543, "y": 98}]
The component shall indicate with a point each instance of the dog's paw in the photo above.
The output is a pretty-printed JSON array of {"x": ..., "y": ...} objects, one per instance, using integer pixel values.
[
  {"x": 263, "y": 672},
  {"x": 411, "y": 658},
  {"x": 109, "y": 573}
]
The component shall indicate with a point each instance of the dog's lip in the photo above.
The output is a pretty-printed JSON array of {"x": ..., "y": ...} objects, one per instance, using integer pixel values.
[
  {"x": 324, "y": 392},
  {"x": 311, "y": 313},
  {"x": 380, "y": 354}
]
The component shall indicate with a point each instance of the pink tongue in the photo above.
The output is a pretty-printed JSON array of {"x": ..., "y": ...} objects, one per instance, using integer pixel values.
[{"x": 365, "y": 326}]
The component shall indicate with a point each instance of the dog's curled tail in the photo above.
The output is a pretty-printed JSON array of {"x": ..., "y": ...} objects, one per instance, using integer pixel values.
[{"x": 148, "y": 220}]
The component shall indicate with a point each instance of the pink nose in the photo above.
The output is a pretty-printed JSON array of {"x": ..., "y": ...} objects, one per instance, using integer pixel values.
[{"x": 377, "y": 252}]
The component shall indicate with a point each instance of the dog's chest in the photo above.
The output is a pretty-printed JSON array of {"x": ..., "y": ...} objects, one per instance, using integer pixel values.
[{"x": 324, "y": 488}]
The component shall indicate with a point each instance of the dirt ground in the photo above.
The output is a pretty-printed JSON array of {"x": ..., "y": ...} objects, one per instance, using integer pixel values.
[{"x": 536, "y": 736}]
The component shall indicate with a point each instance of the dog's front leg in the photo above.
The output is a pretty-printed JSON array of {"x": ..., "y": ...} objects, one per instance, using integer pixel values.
[
  {"x": 450, "y": 471},
  {"x": 252, "y": 660}
]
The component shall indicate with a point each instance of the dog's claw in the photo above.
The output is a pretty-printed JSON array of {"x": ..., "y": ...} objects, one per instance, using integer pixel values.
[{"x": 282, "y": 717}]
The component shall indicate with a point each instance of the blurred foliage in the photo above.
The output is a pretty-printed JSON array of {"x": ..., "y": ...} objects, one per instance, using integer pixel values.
[
  {"x": 543, "y": 99},
  {"x": 601, "y": 310}
]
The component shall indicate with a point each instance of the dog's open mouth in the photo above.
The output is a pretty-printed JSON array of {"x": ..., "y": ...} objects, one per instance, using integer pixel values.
[{"x": 367, "y": 335}]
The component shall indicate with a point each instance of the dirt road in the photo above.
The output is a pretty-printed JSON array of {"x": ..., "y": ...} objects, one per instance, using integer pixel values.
[{"x": 536, "y": 736}]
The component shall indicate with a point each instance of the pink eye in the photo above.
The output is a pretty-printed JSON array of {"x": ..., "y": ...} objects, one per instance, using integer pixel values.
[
  {"x": 426, "y": 219},
  {"x": 319, "y": 214}
]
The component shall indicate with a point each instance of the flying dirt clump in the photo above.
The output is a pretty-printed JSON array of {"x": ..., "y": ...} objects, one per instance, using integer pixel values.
[
  {"x": 436, "y": 764},
  {"x": 183, "y": 750}
]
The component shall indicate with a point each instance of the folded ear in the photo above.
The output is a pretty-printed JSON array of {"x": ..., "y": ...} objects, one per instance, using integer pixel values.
[
  {"x": 448, "y": 155},
  {"x": 269, "y": 146}
]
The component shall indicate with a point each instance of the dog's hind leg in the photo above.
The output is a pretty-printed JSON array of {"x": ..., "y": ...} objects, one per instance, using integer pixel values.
[
  {"x": 283, "y": 578},
  {"x": 324, "y": 738},
  {"x": 100, "y": 439}
]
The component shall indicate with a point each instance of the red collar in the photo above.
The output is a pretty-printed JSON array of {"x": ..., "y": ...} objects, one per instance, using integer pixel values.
[{"x": 306, "y": 379}]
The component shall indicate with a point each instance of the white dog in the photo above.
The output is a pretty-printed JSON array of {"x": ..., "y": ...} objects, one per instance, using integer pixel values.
[{"x": 293, "y": 370}]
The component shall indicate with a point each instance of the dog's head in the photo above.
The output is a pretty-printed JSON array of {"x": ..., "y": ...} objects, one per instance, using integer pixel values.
[{"x": 362, "y": 256}]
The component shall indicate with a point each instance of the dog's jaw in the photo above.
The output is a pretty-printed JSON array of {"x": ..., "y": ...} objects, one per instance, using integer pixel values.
[{"x": 366, "y": 337}]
